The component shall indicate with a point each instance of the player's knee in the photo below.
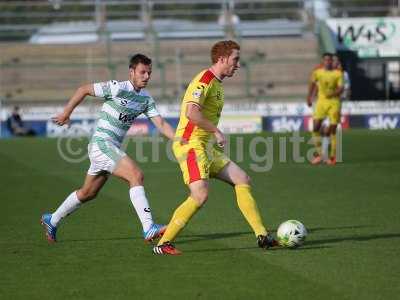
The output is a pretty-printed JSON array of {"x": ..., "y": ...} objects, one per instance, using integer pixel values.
[
  {"x": 136, "y": 178},
  {"x": 333, "y": 129},
  {"x": 246, "y": 179},
  {"x": 317, "y": 126},
  {"x": 140, "y": 177}
]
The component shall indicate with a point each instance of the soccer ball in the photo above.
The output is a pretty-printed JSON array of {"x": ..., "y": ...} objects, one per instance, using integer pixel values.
[{"x": 291, "y": 234}]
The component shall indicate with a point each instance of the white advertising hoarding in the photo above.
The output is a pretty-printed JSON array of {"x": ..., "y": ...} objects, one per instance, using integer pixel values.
[
  {"x": 369, "y": 37},
  {"x": 45, "y": 112},
  {"x": 240, "y": 124}
]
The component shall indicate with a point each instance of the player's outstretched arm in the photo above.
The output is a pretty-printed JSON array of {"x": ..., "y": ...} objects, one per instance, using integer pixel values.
[
  {"x": 311, "y": 92},
  {"x": 163, "y": 126},
  {"x": 194, "y": 114},
  {"x": 74, "y": 101}
]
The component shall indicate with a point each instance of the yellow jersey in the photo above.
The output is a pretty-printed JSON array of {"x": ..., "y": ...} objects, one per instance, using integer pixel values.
[
  {"x": 205, "y": 90},
  {"x": 327, "y": 81}
]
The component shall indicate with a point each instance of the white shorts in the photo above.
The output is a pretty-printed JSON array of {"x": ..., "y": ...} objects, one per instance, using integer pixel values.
[{"x": 104, "y": 156}]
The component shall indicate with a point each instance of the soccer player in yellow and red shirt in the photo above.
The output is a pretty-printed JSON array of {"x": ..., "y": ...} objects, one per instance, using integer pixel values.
[
  {"x": 200, "y": 113},
  {"x": 329, "y": 82}
]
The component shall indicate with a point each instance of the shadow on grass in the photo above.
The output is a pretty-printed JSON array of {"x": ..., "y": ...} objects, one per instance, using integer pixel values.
[
  {"x": 255, "y": 248},
  {"x": 181, "y": 239},
  {"x": 224, "y": 235},
  {"x": 314, "y": 229},
  {"x": 309, "y": 245},
  {"x": 212, "y": 236},
  {"x": 99, "y": 239},
  {"x": 358, "y": 238}
]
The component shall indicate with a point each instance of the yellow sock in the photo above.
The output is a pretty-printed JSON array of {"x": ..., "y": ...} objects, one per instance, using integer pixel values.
[
  {"x": 333, "y": 145},
  {"x": 317, "y": 141},
  {"x": 249, "y": 209},
  {"x": 179, "y": 219}
]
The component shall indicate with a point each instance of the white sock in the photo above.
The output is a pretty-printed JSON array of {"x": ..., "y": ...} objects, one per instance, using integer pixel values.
[
  {"x": 141, "y": 205},
  {"x": 68, "y": 206},
  {"x": 325, "y": 147}
]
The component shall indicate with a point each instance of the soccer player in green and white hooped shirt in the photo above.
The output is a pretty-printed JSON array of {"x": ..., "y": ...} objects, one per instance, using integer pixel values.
[{"x": 124, "y": 101}]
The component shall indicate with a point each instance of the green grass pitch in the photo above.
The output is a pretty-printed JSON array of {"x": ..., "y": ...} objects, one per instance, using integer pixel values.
[{"x": 351, "y": 212}]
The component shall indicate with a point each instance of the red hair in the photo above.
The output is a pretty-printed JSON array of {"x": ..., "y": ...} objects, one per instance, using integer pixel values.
[{"x": 224, "y": 49}]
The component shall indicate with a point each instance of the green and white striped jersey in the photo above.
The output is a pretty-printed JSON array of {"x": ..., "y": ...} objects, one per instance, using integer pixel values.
[{"x": 121, "y": 107}]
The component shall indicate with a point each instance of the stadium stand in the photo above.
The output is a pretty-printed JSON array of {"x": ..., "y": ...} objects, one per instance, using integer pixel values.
[
  {"x": 273, "y": 68},
  {"x": 276, "y": 36}
]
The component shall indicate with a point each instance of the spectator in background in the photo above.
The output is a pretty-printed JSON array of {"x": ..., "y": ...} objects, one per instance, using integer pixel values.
[
  {"x": 16, "y": 126},
  {"x": 346, "y": 94}
]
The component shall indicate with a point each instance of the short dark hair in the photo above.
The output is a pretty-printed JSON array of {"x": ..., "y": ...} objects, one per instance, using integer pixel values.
[
  {"x": 327, "y": 54},
  {"x": 139, "y": 59}
]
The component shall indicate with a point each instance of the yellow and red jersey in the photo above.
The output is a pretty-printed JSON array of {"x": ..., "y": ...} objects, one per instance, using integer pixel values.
[{"x": 206, "y": 91}]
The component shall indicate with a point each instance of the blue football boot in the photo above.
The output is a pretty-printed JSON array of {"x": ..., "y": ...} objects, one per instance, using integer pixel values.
[
  {"x": 49, "y": 229},
  {"x": 155, "y": 231}
]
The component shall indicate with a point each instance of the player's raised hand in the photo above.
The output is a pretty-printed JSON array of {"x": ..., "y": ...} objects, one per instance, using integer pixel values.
[
  {"x": 61, "y": 119},
  {"x": 221, "y": 139}
]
